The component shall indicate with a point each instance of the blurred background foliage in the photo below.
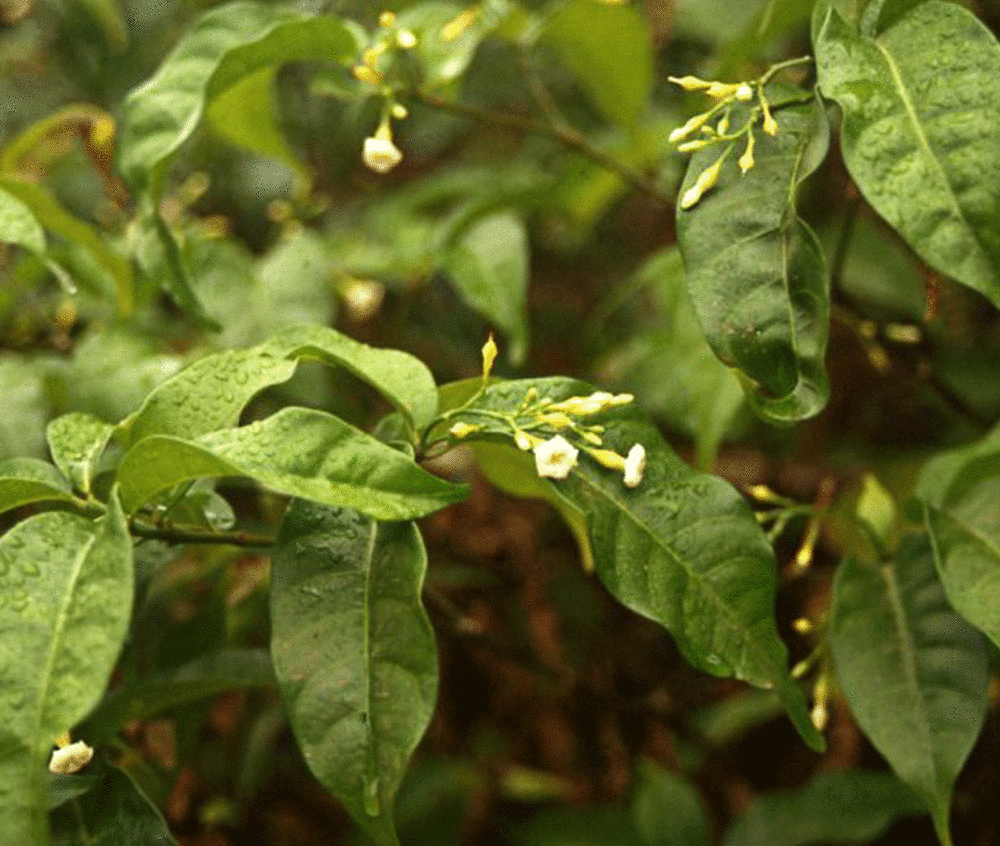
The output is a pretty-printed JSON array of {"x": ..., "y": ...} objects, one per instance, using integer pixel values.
[{"x": 563, "y": 719}]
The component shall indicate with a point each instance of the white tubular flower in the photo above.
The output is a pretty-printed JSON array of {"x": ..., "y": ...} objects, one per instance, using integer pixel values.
[
  {"x": 70, "y": 759},
  {"x": 743, "y": 92},
  {"x": 635, "y": 465},
  {"x": 555, "y": 457},
  {"x": 379, "y": 153},
  {"x": 523, "y": 440},
  {"x": 406, "y": 39}
]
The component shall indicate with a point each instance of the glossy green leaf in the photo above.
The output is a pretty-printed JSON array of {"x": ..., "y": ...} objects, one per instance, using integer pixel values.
[
  {"x": 610, "y": 50},
  {"x": 18, "y": 225},
  {"x": 666, "y": 808},
  {"x": 77, "y": 441},
  {"x": 921, "y": 130},
  {"x": 227, "y": 45},
  {"x": 114, "y": 812},
  {"x": 49, "y": 213},
  {"x": 756, "y": 272},
  {"x": 24, "y": 480},
  {"x": 402, "y": 379},
  {"x": 488, "y": 264},
  {"x": 913, "y": 671},
  {"x": 66, "y": 584},
  {"x": 513, "y": 472},
  {"x": 245, "y": 114},
  {"x": 207, "y": 395},
  {"x": 299, "y": 452},
  {"x": 682, "y": 548},
  {"x": 879, "y": 14},
  {"x": 354, "y": 652},
  {"x": 959, "y": 492},
  {"x": 834, "y": 807}
]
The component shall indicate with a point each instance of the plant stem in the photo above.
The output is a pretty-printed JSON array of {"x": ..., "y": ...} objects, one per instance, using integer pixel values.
[
  {"x": 180, "y": 535},
  {"x": 565, "y": 135}
]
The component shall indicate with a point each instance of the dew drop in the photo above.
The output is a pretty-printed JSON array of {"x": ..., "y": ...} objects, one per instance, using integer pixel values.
[{"x": 713, "y": 659}]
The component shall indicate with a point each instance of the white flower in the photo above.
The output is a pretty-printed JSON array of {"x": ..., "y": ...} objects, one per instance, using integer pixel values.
[
  {"x": 522, "y": 439},
  {"x": 635, "y": 464},
  {"x": 555, "y": 457},
  {"x": 70, "y": 759},
  {"x": 379, "y": 153}
]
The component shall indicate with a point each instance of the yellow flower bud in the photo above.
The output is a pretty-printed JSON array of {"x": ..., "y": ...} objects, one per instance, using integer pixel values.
[
  {"x": 706, "y": 179},
  {"x": 607, "y": 458},
  {"x": 363, "y": 73},
  {"x": 462, "y": 430},
  {"x": 770, "y": 124},
  {"x": 696, "y": 123},
  {"x": 689, "y": 83},
  {"x": 746, "y": 160},
  {"x": 386, "y": 19},
  {"x": 722, "y": 90},
  {"x": 489, "y": 356}
]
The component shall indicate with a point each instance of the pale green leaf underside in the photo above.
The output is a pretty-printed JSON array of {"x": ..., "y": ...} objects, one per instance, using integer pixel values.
[
  {"x": 66, "y": 584},
  {"x": 226, "y": 45},
  {"x": 76, "y": 441},
  {"x": 354, "y": 653},
  {"x": 297, "y": 451},
  {"x": 912, "y": 670},
  {"x": 921, "y": 131},
  {"x": 756, "y": 272}
]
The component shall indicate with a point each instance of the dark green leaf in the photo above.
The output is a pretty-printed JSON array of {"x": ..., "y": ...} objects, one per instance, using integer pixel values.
[
  {"x": 299, "y": 452},
  {"x": 225, "y": 46},
  {"x": 959, "y": 492},
  {"x": 76, "y": 441},
  {"x": 609, "y": 49},
  {"x": 880, "y": 14},
  {"x": 912, "y": 670},
  {"x": 682, "y": 548},
  {"x": 835, "y": 807},
  {"x": 756, "y": 272},
  {"x": 921, "y": 130},
  {"x": 115, "y": 812},
  {"x": 198, "y": 679},
  {"x": 66, "y": 584},
  {"x": 488, "y": 264},
  {"x": 354, "y": 652},
  {"x": 666, "y": 809},
  {"x": 24, "y": 480}
]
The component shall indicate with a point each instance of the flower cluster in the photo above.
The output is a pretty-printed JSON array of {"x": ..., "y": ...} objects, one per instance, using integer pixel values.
[
  {"x": 556, "y": 432},
  {"x": 380, "y": 152},
  {"x": 712, "y": 127}
]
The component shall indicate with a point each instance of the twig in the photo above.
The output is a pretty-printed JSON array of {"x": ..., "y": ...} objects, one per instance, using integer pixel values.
[{"x": 247, "y": 539}]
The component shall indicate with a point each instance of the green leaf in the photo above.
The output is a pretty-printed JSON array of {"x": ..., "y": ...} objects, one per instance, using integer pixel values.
[
  {"x": 666, "y": 808},
  {"x": 77, "y": 441},
  {"x": 18, "y": 225},
  {"x": 66, "y": 584},
  {"x": 488, "y": 264},
  {"x": 835, "y": 807},
  {"x": 958, "y": 491},
  {"x": 701, "y": 397},
  {"x": 756, "y": 272},
  {"x": 225, "y": 46},
  {"x": 402, "y": 379},
  {"x": 24, "y": 480},
  {"x": 55, "y": 218},
  {"x": 682, "y": 548},
  {"x": 245, "y": 114},
  {"x": 880, "y": 14},
  {"x": 201, "y": 678},
  {"x": 610, "y": 50},
  {"x": 354, "y": 652},
  {"x": 207, "y": 395},
  {"x": 513, "y": 472},
  {"x": 914, "y": 673},
  {"x": 25, "y": 406},
  {"x": 921, "y": 130},
  {"x": 299, "y": 452},
  {"x": 112, "y": 813}
]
